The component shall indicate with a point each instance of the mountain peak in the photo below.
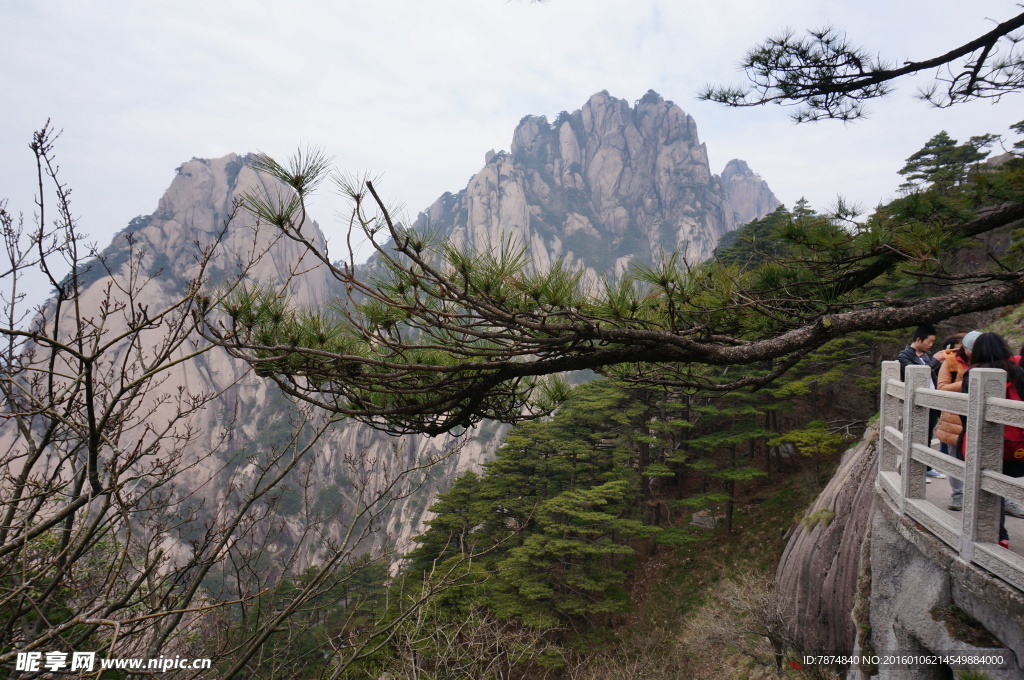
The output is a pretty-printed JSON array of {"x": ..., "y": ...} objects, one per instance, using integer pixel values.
[{"x": 605, "y": 185}]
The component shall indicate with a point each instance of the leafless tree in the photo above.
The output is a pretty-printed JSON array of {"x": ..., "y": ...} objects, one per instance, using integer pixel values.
[
  {"x": 476, "y": 646},
  {"x": 110, "y": 539}
]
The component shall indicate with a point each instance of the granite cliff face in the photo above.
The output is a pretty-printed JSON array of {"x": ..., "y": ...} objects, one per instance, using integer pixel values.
[
  {"x": 190, "y": 216},
  {"x": 349, "y": 455},
  {"x": 166, "y": 249},
  {"x": 604, "y": 186},
  {"x": 220, "y": 446},
  {"x": 820, "y": 572}
]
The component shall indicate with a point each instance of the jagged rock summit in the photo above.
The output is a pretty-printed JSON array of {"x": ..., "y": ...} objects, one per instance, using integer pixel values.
[{"x": 603, "y": 186}]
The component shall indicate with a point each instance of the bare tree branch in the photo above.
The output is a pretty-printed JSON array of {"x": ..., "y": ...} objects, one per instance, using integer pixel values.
[{"x": 432, "y": 337}]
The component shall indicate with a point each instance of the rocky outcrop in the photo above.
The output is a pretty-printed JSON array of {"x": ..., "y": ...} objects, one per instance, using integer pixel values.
[
  {"x": 193, "y": 212},
  {"x": 746, "y": 192},
  {"x": 196, "y": 212},
  {"x": 601, "y": 187},
  {"x": 860, "y": 579},
  {"x": 823, "y": 560},
  {"x": 914, "y": 578}
]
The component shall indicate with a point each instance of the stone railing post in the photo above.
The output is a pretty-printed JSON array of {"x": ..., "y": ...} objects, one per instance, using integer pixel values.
[
  {"x": 915, "y": 431},
  {"x": 984, "y": 452},
  {"x": 888, "y": 416}
]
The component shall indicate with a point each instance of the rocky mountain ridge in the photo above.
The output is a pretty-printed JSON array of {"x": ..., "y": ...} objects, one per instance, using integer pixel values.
[
  {"x": 604, "y": 186},
  {"x": 601, "y": 187}
]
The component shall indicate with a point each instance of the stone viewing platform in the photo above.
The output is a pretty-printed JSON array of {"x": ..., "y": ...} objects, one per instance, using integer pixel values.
[
  {"x": 905, "y": 454},
  {"x": 927, "y": 561}
]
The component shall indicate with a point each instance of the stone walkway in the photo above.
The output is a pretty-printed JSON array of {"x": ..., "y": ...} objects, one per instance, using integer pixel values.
[{"x": 938, "y": 493}]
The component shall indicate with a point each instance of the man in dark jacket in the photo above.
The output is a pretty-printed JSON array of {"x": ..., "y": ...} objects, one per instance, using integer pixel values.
[{"x": 919, "y": 352}]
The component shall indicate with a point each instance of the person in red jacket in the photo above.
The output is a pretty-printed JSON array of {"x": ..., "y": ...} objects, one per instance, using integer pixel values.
[{"x": 991, "y": 351}]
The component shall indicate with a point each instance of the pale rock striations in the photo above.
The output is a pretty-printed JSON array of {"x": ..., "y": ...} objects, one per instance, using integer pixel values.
[
  {"x": 192, "y": 215},
  {"x": 193, "y": 210},
  {"x": 601, "y": 187}
]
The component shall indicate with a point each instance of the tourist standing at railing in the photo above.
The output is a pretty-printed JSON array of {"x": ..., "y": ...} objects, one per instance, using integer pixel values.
[
  {"x": 919, "y": 352},
  {"x": 991, "y": 351},
  {"x": 950, "y": 427}
]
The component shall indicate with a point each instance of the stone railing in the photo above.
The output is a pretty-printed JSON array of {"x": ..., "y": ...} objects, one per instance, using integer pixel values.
[{"x": 904, "y": 455}]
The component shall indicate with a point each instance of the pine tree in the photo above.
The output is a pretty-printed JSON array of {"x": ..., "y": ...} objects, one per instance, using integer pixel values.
[
  {"x": 826, "y": 76},
  {"x": 816, "y": 442},
  {"x": 943, "y": 163},
  {"x": 573, "y": 565},
  {"x": 452, "y": 532},
  {"x": 756, "y": 241},
  {"x": 553, "y": 516},
  {"x": 1019, "y": 129},
  {"x": 441, "y": 336},
  {"x": 730, "y": 428}
]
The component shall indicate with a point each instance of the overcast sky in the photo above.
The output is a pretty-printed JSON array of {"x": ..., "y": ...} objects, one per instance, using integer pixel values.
[{"x": 420, "y": 89}]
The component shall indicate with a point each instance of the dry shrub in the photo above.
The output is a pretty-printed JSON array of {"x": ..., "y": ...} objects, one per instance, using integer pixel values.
[
  {"x": 743, "y": 631},
  {"x": 647, "y": 653},
  {"x": 476, "y": 647}
]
